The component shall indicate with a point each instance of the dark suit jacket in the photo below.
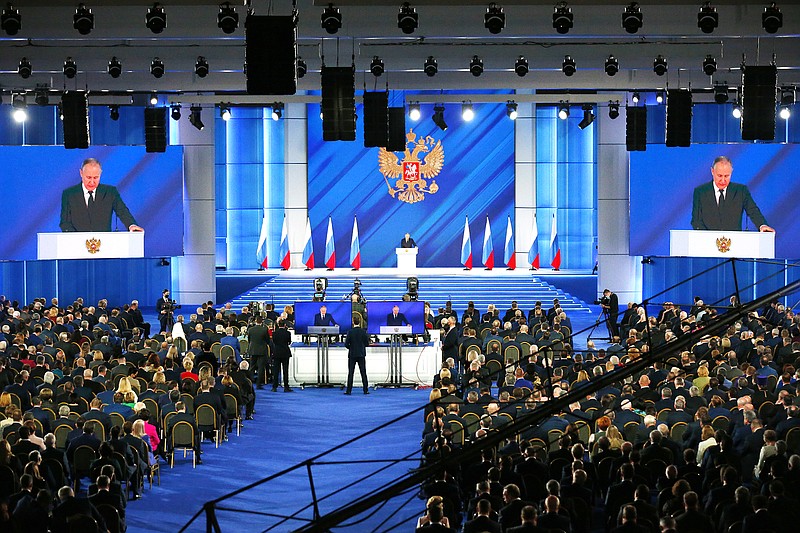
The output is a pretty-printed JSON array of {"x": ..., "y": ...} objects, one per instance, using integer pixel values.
[
  {"x": 706, "y": 214},
  {"x": 327, "y": 320},
  {"x": 259, "y": 340},
  {"x": 410, "y": 243},
  {"x": 399, "y": 320},
  {"x": 481, "y": 524},
  {"x": 283, "y": 340},
  {"x": 356, "y": 342},
  {"x": 75, "y": 215}
]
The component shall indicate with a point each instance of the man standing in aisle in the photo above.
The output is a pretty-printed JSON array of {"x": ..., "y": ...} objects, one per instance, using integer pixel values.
[
  {"x": 258, "y": 337},
  {"x": 356, "y": 343},
  {"x": 282, "y": 340}
]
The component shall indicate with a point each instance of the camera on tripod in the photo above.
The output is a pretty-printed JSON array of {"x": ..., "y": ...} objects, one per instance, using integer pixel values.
[{"x": 605, "y": 300}]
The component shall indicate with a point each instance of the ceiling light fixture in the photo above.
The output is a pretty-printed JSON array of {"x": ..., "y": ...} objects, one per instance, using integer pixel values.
[
  {"x": 720, "y": 93},
  {"x": 772, "y": 18},
  {"x": 562, "y": 18},
  {"x": 511, "y": 110},
  {"x": 568, "y": 66},
  {"x": 115, "y": 67},
  {"x": 20, "y": 107},
  {"x": 407, "y": 19},
  {"x": 83, "y": 20},
  {"x": 302, "y": 68},
  {"x": 331, "y": 19},
  {"x": 709, "y": 65},
  {"x": 376, "y": 66},
  {"x": 277, "y": 111},
  {"x": 635, "y": 97},
  {"x": 25, "y": 69},
  {"x": 228, "y": 18},
  {"x": 113, "y": 112},
  {"x": 707, "y": 18},
  {"x": 156, "y": 19},
  {"x": 224, "y": 112},
  {"x": 414, "y": 111},
  {"x": 660, "y": 97},
  {"x": 612, "y": 65},
  {"x": 153, "y": 98},
  {"x": 613, "y": 109},
  {"x": 521, "y": 66},
  {"x": 476, "y": 66},
  {"x": 201, "y": 67},
  {"x": 157, "y": 67},
  {"x": 195, "y": 117},
  {"x": 736, "y": 110},
  {"x": 175, "y": 111},
  {"x": 495, "y": 19},
  {"x": 431, "y": 67},
  {"x": 588, "y": 116},
  {"x": 563, "y": 110},
  {"x": 438, "y": 117},
  {"x": 632, "y": 18},
  {"x": 467, "y": 113},
  {"x": 70, "y": 68},
  {"x": 660, "y": 65},
  {"x": 10, "y": 20}
]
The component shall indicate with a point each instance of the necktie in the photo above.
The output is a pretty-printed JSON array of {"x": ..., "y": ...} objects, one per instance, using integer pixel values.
[
  {"x": 721, "y": 202},
  {"x": 91, "y": 199}
]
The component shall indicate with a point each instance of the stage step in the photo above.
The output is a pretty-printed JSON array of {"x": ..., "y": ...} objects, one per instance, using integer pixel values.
[{"x": 499, "y": 290}]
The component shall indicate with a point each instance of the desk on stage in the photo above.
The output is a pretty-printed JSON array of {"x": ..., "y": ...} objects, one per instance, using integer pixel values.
[
  {"x": 722, "y": 244},
  {"x": 407, "y": 259},
  {"x": 90, "y": 245},
  {"x": 323, "y": 334}
]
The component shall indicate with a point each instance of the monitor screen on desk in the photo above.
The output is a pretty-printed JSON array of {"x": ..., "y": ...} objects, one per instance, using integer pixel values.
[
  {"x": 409, "y": 313},
  {"x": 310, "y": 314}
]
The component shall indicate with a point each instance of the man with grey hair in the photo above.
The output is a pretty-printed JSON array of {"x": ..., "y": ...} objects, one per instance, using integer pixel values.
[{"x": 69, "y": 506}]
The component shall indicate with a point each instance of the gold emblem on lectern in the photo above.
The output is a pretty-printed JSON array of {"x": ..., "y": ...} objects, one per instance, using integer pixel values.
[
  {"x": 411, "y": 185},
  {"x": 93, "y": 245},
  {"x": 723, "y": 244}
]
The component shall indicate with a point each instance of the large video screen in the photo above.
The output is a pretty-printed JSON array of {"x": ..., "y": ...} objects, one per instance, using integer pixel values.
[
  {"x": 36, "y": 177},
  {"x": 663, "y": 180},
  {"x": 382, "y": 314},
  {"x": 310, "y": 314}
]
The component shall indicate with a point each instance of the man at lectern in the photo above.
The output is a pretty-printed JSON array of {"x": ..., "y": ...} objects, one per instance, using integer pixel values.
[
  {"x": 89, "y": 206},
  {"x": 396, "y": 318},
  {"x": 323, "y": 318},
  {"x": 408, "y": 242},
  {"x": 719, "y": 204}
]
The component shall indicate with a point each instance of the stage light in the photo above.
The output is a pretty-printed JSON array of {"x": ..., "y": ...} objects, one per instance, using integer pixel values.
[
  {"x": 156, "y": 19},
  {"x": 467, "y": 113},
  {"x": 201, "y": 67},
  {"x": 228, "y": 18},
  {"x": 660, "y": 65},
  {"x": 707, "y": 18},
  {"x": 277, "y": 111},
  {"x": 612, "y": 65},
  {"x": 175, "y": 111},
  {"x": 431, "y": 67},
  {"x": 787, "y": 100},
  {"x": 495, "y": 19},
  {"x": 41, "y": 97},
  {"x": 720, "y": 93},
  {"x": 632, "y": 18},
  {"x": 114, "y": 67},
  {"x": 476, "y": 66},
  {"x": 224, "y": 112},
  {"x": 709, "y": 65},
  {"x": 25, "y": 69},
  {"x": 153, "y": 98},
  {"x": 10, "y": 20},
  {"x": 302, "y": 68},
  {"x": 83, "y": 20},
  {"x": 438, "y": 117},
  {"x": 563, "y": 110},
  {"x": 20, "y": 108},
  {"x": 568, "y": 66},
  {"x": 562, "y": 17},
  {"x": 195, "y": 117},
  {"x": 331, "y": 19},
  {"x": 407, "y": 19},
  {"x": 70, "y": 68},
  {"x": 412, "y": 286},
  {"x": 521, "y": 66},
  {"x": 113, "y": 112},
  {"x": 376, "y": 66},
  {"x": 635, "y": 97},
  {"x": 736, "y": 110},
  {"x": 511, "y": 110},
  {"x": 588, "y": 116},
  {"x": 60, "y": 112},
  {"x": 157, "y": 67},
  {"x": 613, "y": 110},
  {"x": 772, "y": 18},
  {"x": 785, "y": 112},
  {"x": 660, "y": 97},
  {"x": 414, "y": 111}
]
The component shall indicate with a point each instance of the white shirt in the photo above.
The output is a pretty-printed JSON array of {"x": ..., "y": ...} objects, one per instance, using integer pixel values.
[
  {"x": 724, "y": 193},
  {"x": 86, "y": 194}
]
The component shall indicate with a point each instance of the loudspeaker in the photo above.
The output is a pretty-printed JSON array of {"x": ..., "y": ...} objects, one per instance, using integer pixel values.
[
  {"x": 759, "y": 99},
  {"x": 679, "y": 117},
  {"x": 376, "y": 119},
  {"x": 155, "y": 129},
  {"x": 271, "y": 54},
  {"x": 75, "y": 107},
  {"x": 339, "y": 103},
  {"x": 397, "y": 129},
  {"x": 636, "y": 129}
]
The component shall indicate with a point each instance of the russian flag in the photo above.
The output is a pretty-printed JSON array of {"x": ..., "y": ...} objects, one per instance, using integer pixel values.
[
  {"x": 533, "y": 253},
  {"x": 555, "y": 249},
  {"x": 488, "y": 247},
  {"x": 330, "y": 247},
  {"x": 466, "y": 247},
  {"x": 355, "y": 249},
  {"x": 286, "y": 258},
  {"x": 261, "y": 250},
  {"x": 509, "y": 257},
  {"x": 308, "y": 249}
]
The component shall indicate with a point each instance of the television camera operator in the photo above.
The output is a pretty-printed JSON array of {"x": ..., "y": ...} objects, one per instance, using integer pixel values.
[
  {"x": 610, "y": 304},
  {"x": 166, "y": 310}
]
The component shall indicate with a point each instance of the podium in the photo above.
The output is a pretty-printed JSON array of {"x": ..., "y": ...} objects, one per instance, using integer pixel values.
[
  {"x": 323, "y": 363},
  {"x": 406, "y": 258},
  {"x": 722, "y": 244},
  {"x": 396, "y": 333},
  {"x": 90, "y": 245}
]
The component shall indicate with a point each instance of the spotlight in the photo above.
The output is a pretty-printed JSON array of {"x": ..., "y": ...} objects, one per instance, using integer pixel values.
[
  {"x": 476, "y": 66},
  {"x": 511, "y": 110},
  {"x": 60, "y": 112},
  {"x": 660, "y": 65},
  {"x": 195, "y": 117},
  {"x": 70, "y": 68},
  {"x": 632, "y": 18},
  {"x": 277, "y": 111},
  {"x": 331, "y": 19},
  {"x": 720, "y": 93},
  {"x": 787, "y": 100},
  {"x": 562, "y": 18},
  {"x": 521, "y": 66},
  {"x": 175, "y": 111},
  {"x": 612, "y": 65},
  {"x": 563, "y": 110},
  {"x": 438, "y": 117},
  {"x": 613, "y": 110},
  {"x": 83, "y": 20},
  {"x": 772, "y": 18},
  {"x": 41, "y": 97},
  {"x": 707, "y": 18},
  {"x": 785, "y": 113},
  {"x": 20, "y": 107},
  {"x": 660, "y": 97},
  {"x": 736, "y": 110},
  {"x": 228, "y": 18},
  {"x": 568, "y": 66},
  {"x": 495, "y": 19},
  {"x": 157, "y": 68},
  {"x": 201, "y": 67},
  {"x": 114, "y": 67},
  {"x": 10, "y": 20},
  {"x": 164, "y": 262},
  {"x": 412, "y": 286},
  {"x": 588, "y": 116},
  {"x": 153, "y": 98},
  {"x": 25, "y": 68},
  {"x": 156, "y": 19},
  {"x": 376, "y": 66},
  {"x": 407, "y": 19},
  {"x": 224, "y": 112},
  {"x": 113, "y": 112},
  {"x": 709, "y": 65},
  {"x": 635, "y": 97},
  {"x": 431, "y": 67},
  {"x": 414, "y": 111},
  {"x": 467, "y": 113},
  {"x": 302, "y": 68}
]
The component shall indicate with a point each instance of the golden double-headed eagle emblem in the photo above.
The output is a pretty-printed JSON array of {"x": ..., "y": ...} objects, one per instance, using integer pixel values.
[
  {"x": 413, "y": 172},
  {"x": 723, "y": 244},
  {"x": 93, "y": 245}
]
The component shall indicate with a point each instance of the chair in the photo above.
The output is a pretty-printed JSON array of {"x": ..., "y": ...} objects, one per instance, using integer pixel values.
[
  {"x": 206, "y": 416},
  {"x": 553, "y": 438},
  {"x": 677, "y": 430},
  {"x": 767, "y": 404},
  {"x": 56, "y": 472},
  {"x": 457, "y": 428},
  {"x": 226, "y": 351},
  {"x": 61, "y": 432},
  {"x": 736, "y": 527},
  {"x": 793, "y": 440},
  {"x": 152, "y": 406},
  {"x": 188, "y": 401},
  {"x": 584, "y": 431},
  {"x": 504, "y": 418},
  {"x": 182, "y": 438},
  {"x": 216, "y": 348},
  {"x": 9, "y": 484},
  {"x": 511, "y": 355},
  {"x": 51, "y": 415},
  {"x": 180, "y": 344},
  {"x": 720, "y": 422},
  {"x": 12, "y": 437},
  {"x": 244, "y": 346},
  {"x": 15, "y": 400},
  {"x": 472, "y": 353},
  {"x": 537, "y": 443},
  {"x": 526, "y": 349},
  {"x": 111, "y": 517},
  {"x": 663, "y": 414},
  {"x": 81, "y": 461},
  {"x": 494, "y": 343},
  {"x": 472, "y": 422},
  {"x": 39, "y": 427},
  {"x": 557, "y": 467},
  {"x": 81, "y": 523},
  {"x": 117, "y": 420},
  {"x": 233, "y": 412},
  {"x": 630, "y": 431},
  {"x": 772, "y": 382}
]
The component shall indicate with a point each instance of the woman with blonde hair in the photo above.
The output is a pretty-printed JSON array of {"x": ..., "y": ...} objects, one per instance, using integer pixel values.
[
  {"x": 702, "y": 379},
  {"x": 433, "y": 397},
  {"x": 188, "y": 370},
  {"x": 138, "y": 431},
  {"x": 125, "y": 387},
  {"x": 434, "y": 511},
  {"x": 614, "y": 437}
]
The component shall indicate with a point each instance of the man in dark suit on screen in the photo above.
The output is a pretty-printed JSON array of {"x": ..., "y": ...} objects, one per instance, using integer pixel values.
[
  {"x": 89, "y": 206},
  {"x": 396, "y": 318},
  {"x": 323, "y": 318},
  {"x": 719, "y": 205},
  {"x": 407, "y": 242}
]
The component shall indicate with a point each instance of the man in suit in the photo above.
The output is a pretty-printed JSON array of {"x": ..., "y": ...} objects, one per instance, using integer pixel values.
[
  {"x": 70, "y": 505},
  {"x": 450, "y": 342},
  {"x": 105, "y": 497},
  {"x": 280, "y": 358},
  {"x": 719, "y": 205},
  {"x": 396, "y": 318},
  {"x": 482, "y": 522},
  {"x": 258, "y": 337},
  {"x": 323, "y": 318},
  {"x": 407, "y": 242},
  {"x": 90, "y": 205},
  {"x": 165, "y": 309},
  {"x": 610, "y": 304},
  {"x": 356, "y": 343},
  {"x": 182, "y": 416}
]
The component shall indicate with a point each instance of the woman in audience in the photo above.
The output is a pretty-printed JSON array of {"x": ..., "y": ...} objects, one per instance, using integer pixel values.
[
  {"x": 7, "y": 458},
  {"x": 188, "y": 370},
  {"x": 434, "y": 396},
  {"x": 97, "y": 359},
  {"x": 701, "y": 381},
  {"x": 602, "y": 425},
  {"x": 125, "y": 387},
  {"x": 706, "y": 440},
  {"x": 154, "y": 362},
  {"x": 139, "y": 431},
  {"x": 615, "y": 438},
  {"x": 435, "y": 507}
]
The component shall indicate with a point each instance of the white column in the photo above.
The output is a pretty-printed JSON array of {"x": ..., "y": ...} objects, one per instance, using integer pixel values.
[
  {"x": 524, "y": 179},
  {"x": 296, "y": 175}
]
